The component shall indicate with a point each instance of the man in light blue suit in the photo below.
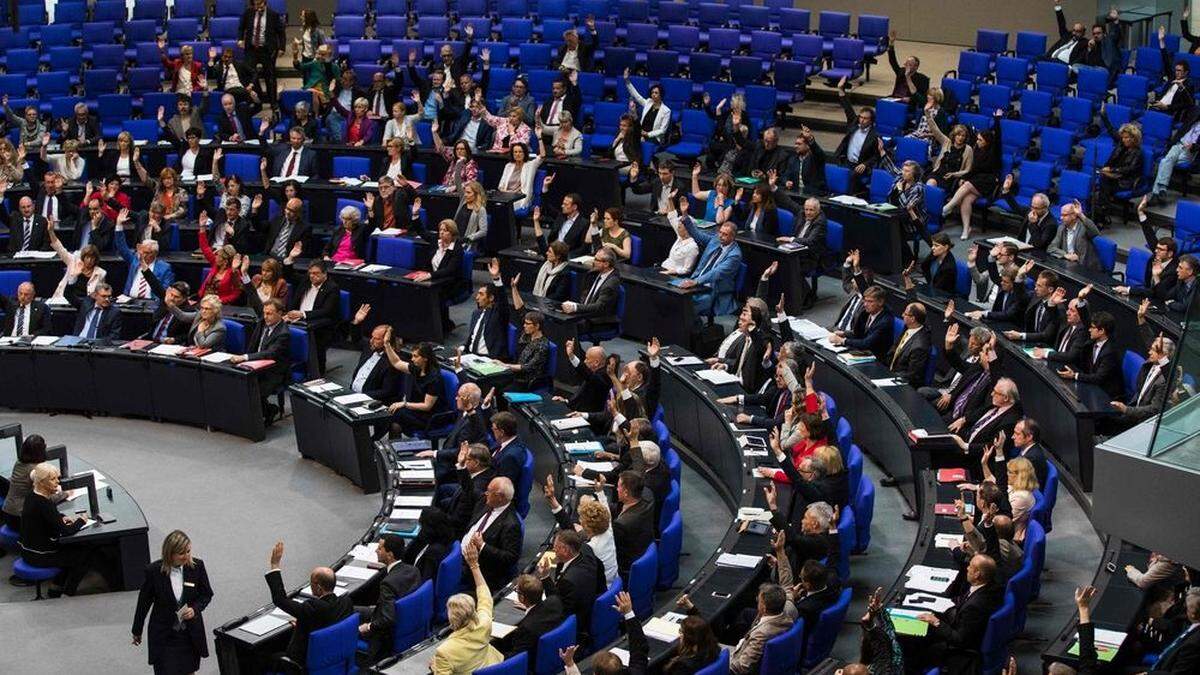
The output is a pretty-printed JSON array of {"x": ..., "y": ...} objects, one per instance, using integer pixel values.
[
  {"x": 717, "y": 269},
  {"x": 145, "y": 257}
]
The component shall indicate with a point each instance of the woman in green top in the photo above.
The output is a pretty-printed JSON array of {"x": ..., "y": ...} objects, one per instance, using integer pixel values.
[
  {"x": 613, "y": 235},
  {"x": 318, "y": 74}
]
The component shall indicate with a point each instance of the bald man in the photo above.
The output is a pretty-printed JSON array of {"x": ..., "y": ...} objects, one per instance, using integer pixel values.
[
  {"x": 495, "y": 528},
  {"x": 288, "y": 234},
  {"x": 374, "y": 375},
  {"x": 957, "y": 632},
  {"x": 592, "y": 395},
  {"x": 24, "y": 314},
  {"x": 317, "y": 607},
  {"x": 26, "y": 228}
]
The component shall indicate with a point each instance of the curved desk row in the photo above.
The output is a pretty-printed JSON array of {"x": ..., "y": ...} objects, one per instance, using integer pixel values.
[
  {"x": 336, "y": 431},
  {"x": 124, "y": 382},
  {"x": 125, "y": 534}
]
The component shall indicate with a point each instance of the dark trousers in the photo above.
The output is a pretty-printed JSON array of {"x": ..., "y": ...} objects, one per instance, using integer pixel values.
[{"x": 263, "y": 61}]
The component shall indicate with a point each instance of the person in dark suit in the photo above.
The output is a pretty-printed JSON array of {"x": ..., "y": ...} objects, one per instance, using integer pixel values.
[
  {"x": 564, "y": 97},
  {"x": 323, "y": 609},
  {"x": 543, "y": 613},
  {"x": 855, "y": 280},
  {"x": 1160, "y": 274},
  {"x": 939, "y": 268},
  {"x": 958, "y": 633},
  {"x": 1042, "y": 319},
  {"x": 82, "y": 126},
  {"x": 229, "y": 227},
  {"x": 633, "y": 523},
  {"x": 1010, "y": 303},
  {"x": 819, "y": 588},
  {"x": 605, "y": 662},
  {"x": 24, "y": 314},
  {"x": 400, "y": 579},
  {"x": 55, "y": 206},
  {"x": 471, "y": 425},
  {"x": 261, "y": 35},
  {"x": 1039, "y": 226},
  {"x": 746, "y": 345},
  {"x": 911, "y": 85},
  {"x": 578, "y": 48},
  {"x": 374, "y": 374},
  {"x": 872, "y": 330},
  {"x": 470, "y": 126},
  {"x": 592, "y": 394},
  {"x": 764, "y": 157},
  {"x": 810, "y": 232},
  {"x": 1027, "y": 443},
  {"x": 317, "y": 301},
  {"x": 97, "y": 318},
  {"x": 496, "y": 529},
  {"x": 175, "y": 591},
  {"x": 1071, "y": 46},
  {"x": 805, "y": 170},
  {"x": 427, "y": 550},
  {"x": 235, "y": 125},
  {"x": 1072, "y": 338},
  {"x": 859, "y": 147},
  {"x": 293, "y": 158},
  {"x": 473, "y": 473},
  {"x": 1150, "y": 387},
  {"x": 287, "y": 232},
  {"x": 269, "y": 339},
  {"x": 392, "y": 209},
  {"x": 27, "y": 229},
  {"x": 1074, "y": 240},
  {"x": 659, "y": 186},
  {"x": 1182, "y": 655},
  {"x": 508, "y": 457},
  {"x": 233, "y": 77},
  {"x": 569, "y": 225},
  {"x": 974, "y": 435},
  {"x": 597, "y": 303},
  {"x": 575, "y": 578},
  {"x": 1185, "y": 289},
  {"x": 164, "y": 326},
  {"x": 487, "y": 331},
  {"x": 909, "y": 357},
  {"x": 968, "y": 396},
  {"x": 1089, "y": 659},
  {"x": 1100, "y": 361}
]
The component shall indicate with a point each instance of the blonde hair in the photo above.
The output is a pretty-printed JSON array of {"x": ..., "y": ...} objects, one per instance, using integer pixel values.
[
  {"x": 594, "y": 517},
  {"x": 1021, "y": 475},
  {"x": 831, "y": 457},
  {"x": 43, "y": 472},
  {"x": 173, "y": 544},
  {"x": 213, "y": 301},
  {"x": 480, "y": 200},
  {"x": 737, "y": 102},
  {"x": 1133, "y": 129},
  {"x": 451, "y": 226},
  {"x": 460, "y": 610},
  {"x": 936, "y": 94}
]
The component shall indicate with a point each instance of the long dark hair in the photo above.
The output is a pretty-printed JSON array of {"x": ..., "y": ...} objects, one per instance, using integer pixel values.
[
  {"x": 33, "y": 449},
  {"x": 696, "y": 639},
  {"x": 425, "y": 349}
]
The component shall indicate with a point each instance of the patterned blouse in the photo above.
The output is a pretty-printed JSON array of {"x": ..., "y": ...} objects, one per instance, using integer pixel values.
[{"x": 534, "y": 357}]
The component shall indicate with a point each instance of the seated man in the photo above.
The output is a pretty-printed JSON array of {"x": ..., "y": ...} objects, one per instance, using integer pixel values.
[
  {"x": 287, "y": 235},
  {"x": 592, "y": 395},
  {"x": 317, "y": 302},
  {"x": 495, "y": 531},
  {"x": 575, "y": 578},
  {"x": 293, "y": 159},
  {"x": 985, "y": 272},
  {"x": 810, "y": 233},
  {"x": 1027, "y": 443},
  {"x": 598, "y": 293},
  {"x": 487, "y": 331},
  {"x": 1185, "y": 289},
  {"x": 569, "y": 225},
  {"x": 765, "y": 156},
  {"x": 1039, "y": 227},
  {"x": 741, "y": 351},
  {"x": 1160, "y": 275},
  {"x": 605, "y": 662},
  {"x": 660, "y": 186},
  {"x": 473, "y": 471},
  {"x": 776, "y": 400},
  {"x": 967, "y": 397},
  {"x": 542, "y": 615},
  {"x": 400, "y": 579},
  {"x": 718, "y": 266},
  {"x": 234, "y": 125},
  {"x": 229, "y": 226},
  {"x": 471, "y": 425},
  {"x": 872, "y": 330},
  {"x": 1074, "y": 239},
  {"x": 1008, "y": 306},
  {"x": 1043, "y": 315},
  {"x": 95, "y": 228},
  {"x": 1072, "y": 338},
  {"x": 26, "y": 229},
  {"x": 805, "y": 172},
  {"x": 165, "y": 327},
  {"x": 1100, "y": 362},
  {"x": 859, "y": 149},
  {"x": 819, "y": 588},
  {"x": 144, "y": 260},
  {"x": 374, "y": 375},
  {"x": 973, "y": 436},
  {"x": 269, "y": 339},
  {"x": 909, "y": 358},
  {"x": 1150, "y": 387},
  {"x": 958, "y": 633},
  {"x": 324, "y": 607},
  {"x": 24, "y": 314},
  {"x": 508, "y": 458},
  {"x": 97, "y": 318},
  {"x": 855, "y": 280},
  {"x": 770, "y": 620}
]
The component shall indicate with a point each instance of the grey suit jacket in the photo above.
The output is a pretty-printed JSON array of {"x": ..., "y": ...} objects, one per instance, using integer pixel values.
[
  {"x": 748, "y": 653},
  {"x": 1083, "y": 243}
]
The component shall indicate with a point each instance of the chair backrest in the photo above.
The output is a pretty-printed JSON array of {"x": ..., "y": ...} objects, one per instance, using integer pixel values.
[
  {"x": 244, "y": 166},
  {"x": 414, "y": 616},
  {"x": 718, "y": 667},
  {"x": 449, "y": 577},
  {"x": 1130, "y": 366},
  {"x": 833, "y": 24},
  {"x": 1031, "y": 45},
  {"x": 1106, "y": 251},
  {"x": 847, "y": 531},
  {"x": 845, "y": 435},
  {"x": 1135, "y": 265},
  {"x": 670, "y": 548},
  {"x": 331, "y": 649},
  {"x": 1012, "y": 71},
  {"x": 643, "y": 575},
  {"x": 821, "y": 636},
  {"x": 864, "y": 512},
  {"x": 235, "y": 336},
  {"x": 604, "y": 618},
  {"x": 781, "y": 655},
  {"x": 994, "y": 647},
  {"x": 548, "y": 661},
  {"x": 524, "y": 484},
  {"x": 854, "y": 466},
  {"x": 991, "y": 42},
  {"x": 517, "y": 665},
  {"x": 11, "y": 279}
]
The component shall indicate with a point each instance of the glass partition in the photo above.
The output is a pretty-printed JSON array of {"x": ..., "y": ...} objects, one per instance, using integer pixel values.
[{"x": 1177, "y": 434}]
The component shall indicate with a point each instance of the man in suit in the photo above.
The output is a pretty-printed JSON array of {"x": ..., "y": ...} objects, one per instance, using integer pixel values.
[
  {"x": 27, "y": 231},
  {"x": 805, "y": 171},
  {"x": 1100, "y": 362},
  {"x": 261, "y": 36},
  {"x": 872, "y": 329},
  {"x": 810, "y": 233},
  {"x": 508, "y": 457},
  {"x": 632, "y": 518},
  {"x": 471, "y": 425},
  {"x": 400, "y": 579},
  {"x": 1027, "y": 443},
  {"x": 592, "y": 395},
  {"x": 1008, "y": 307},
  {"x": 269, "y": 339},
  {"x": 287, "y": 232},
  {"x": 597, "y": 304},
  {"x": 765, "y": 156},
  {"x": 718, "y": 266},
  {"x": 1072, "y": 338},
  {"x": 233, "y": 77},
  {"x": 985, "y": 270},
  {"x": 473, "y": 472},
  {"x": 569, "y": 226},
  {"x": 909, "y": 358},
  {"x": 373, "y": 374},
  {"x": 775, "y": 401},
  {"x": 855, "y": 280},
  {"x": 1042, "y": 319},
  {"x": 973, "y": 435},
  {"x": 1182, "y": 655},
  {"x": 94, "y": 228},
  {"x": 576, "y": 577},
  {"x": 487, "y": 331},
  {"x": 495, "y": 529},
  {"x": 769, "y": 621},
  {"x": 967, "y": 397},
  {"x": 392, "y": 208},
  {"x": 1185, "y": 288},
  {"x": 97, "y": 318},
  {"x": 819, "y": 588},
  {"x": 1160, "y": 275},
  {"x": 859, "y": 148},
  {"x": 144, "y": 258},
  {"x": 660, "y": 186},
  {"x": 317, "y": 302},
  {"x": 958, "y": 633},
  {"x": 82, "y": 127},
  {"x": 1074, "y": 239},
  {"x": 543, "y": 613},
  {"x": 578, "y": 48},
  {"x": 235, "y": 125},
  {"x": 741, "y": 352},
  {"x": 1071, "y": 46},
  {"x": 323, "y": 609},
  {"x": 57, "y": 208},
  {"x": 564, "y": 97},
  {"x": 1038, "y": 227},
  {"x": 230, "y": 227},
  {"x": 811, "y": 538},
  {"x": 471, "y": 126},
  {"x": 25, "y": 314},
  {"x": 295, "y": 158},
  {"x": 164, "y": 327},
  {"x": 911, "y": 84}
]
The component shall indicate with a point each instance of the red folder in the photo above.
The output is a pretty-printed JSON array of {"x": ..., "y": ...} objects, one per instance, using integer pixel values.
[
  {"x": 944, "y": 509},
  {"x": 257, "y": 365},
  {"x": 952, "y": 475}
]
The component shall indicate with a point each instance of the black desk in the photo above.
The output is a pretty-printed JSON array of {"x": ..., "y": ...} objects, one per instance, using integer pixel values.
[
  {"x": 133, "y": 383},
  {"x": 127, "y": 536},
  {"x": 876, "y": 233},
  {"x": 596, "y": 180},
  {"x": 334, "y": 435}
]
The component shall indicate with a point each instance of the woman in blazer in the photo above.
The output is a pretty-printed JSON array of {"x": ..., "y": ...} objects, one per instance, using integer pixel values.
[
  {"x": 349, "y": 242},
  {"x": 269, "y": 282},
  {"x": 223, "y": 279},
  {"x": 42, "y": 526},
  {"x": 208, "y": 330},
  {"x": 656, "y": 116},
  {"x": 193, "y": 159},
  {"x": 469, "y": 647},
  {"x": 553, "y": 282},
  {"x": 519, "y": 173},
  {"x": 760, "y": 215},
  {"x": 124, "y": 163},
  {"x": 445, "y": 263},
  {"x": 472, "y": 216},
  {"x": 174, "y": 592}
]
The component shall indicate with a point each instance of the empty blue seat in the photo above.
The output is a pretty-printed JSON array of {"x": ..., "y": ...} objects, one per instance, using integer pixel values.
[
  {"x": 864, "y": 512},
  {"x": 643, "y": 575},
  {"x": 847, "y": 59},
  {"x": 27, "y": 572},
  {"x": 1132, "y": 91},
  {"x": 1036, "y": 106},
  {"x": 1012, "y": 72},
  {"x": 724, "y": 41},
  {"x": 1052, "y": 77},
  {"x": 670, "y": 548},
  {"x": 111, "y": 111},
  {"x": 605, "y": 619},
  {"x": 744, "y": 70},
  {"x": 766, "y": 44},
  {"x": 516, "y": 665},
  {"x": 414, "y": 617},
  {"x": 873, "y": 31},
  {"x": 995, "y": 639},
  {"x": 331, "y": 649},
  {"x": 1030, "y": 45},
  {"x": 794, "y": 21},
  {"x": 831, "y": 26},
  {"x": 549, "y": 644},
  {"x": 991, "y": 42}
]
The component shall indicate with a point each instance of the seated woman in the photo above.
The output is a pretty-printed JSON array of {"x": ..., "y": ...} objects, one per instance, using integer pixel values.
[
  {"x": 124, "y": 162},
  {"x": 553, "y": 281},
  {"x": 984, "y": 177},
  {"x": 684, "y": 251},
  {"x": 566, "y": 141},
  {"x": 719, "y": 201},
  {"x": 471, "y": 215},
  {"x": 208, "y": 329},
  {"x": 698, "y": 648},
  {"x": 460, "y": 165},
  {"x": 12, "y": 161},
  {"x": 803, "y": 436},
  {"x": 41, "y": 528},
  {"x": 68, "y": 163},
  {"x": 167, "y": 192},
  {"x": 1122, "y": 170},
  {"x": 349, "y": 242},
  {"x": 398, "y": 162},
  {"x": 612, "y": 236},
  {"x": 595, "y": 523},
  {"x": 468, "y": 647},
  {"x": 759, "y": 215},
  {"x": 445, "y": 263},
  {"x": 427, "y": 550},
  {"x": 424, "y": 388},
  {"x": 229, "y": 188},
  {"x": 83, "y": 267},
  {"x": 193, "y": 159},
  {"x": 733, "y": 133},
  {"x": 820, "y": 477},
  {"x": 269, "y": 282},
  {"x": 626, "y": 145},
  {"x": 223, "y": 278},
  {"x": 400, "y": 126},
  {"x": 510, "y": 129},
  {"x": 112, "y": 199},
  {"x": 519, "y": 173},
  {"x": 533, "y": 347},
  {"x": 20, "y": 482},
  {"x": 360, "y": 128}
]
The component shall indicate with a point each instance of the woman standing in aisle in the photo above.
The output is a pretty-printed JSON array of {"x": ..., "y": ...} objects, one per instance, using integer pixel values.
[{"x": 174, "y": 592}]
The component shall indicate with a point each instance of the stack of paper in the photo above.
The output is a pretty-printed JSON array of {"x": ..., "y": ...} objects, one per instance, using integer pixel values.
[
  {"x": 717, "y": 377},
  {"x": 750, "y": 513},
  {"x": 742, "y": 560},
  {"x": 35, "y": 255},
  {"x": 47, "y": 340},
  {"x": 855, "y": 359},
  {"x": 339, "y": 590},
  {"x": 928, "y": 602},
  {"x": 568, "y": 423},
  {"x": 374, "y": 268},
  {"x": 355, "y": 572},
  {"x": 1022, "y": 246},
  {"x": 405, "y": 514},
  {"x": 807, "y": 329},
  {"x": 168, "y": 350},
  {"x": 416, "y": 464},
  {"x": 824, "y": 343},
  {"x": 418, "y": 501},
  {"x": 499, "y": 630},
  {"x": 266, "y": 623},
  {"x": 601, "y": 467},
  {"x": 947, "y": 540},
  {"x": 324, "y": 387},
  {"x": 664, "y": 628},
  {"x": 351, "y": 399},
  {"x": 888, "y": 382},
  {"x": 849, "y": 200},
  {"x": 685, "y": 361},
  {"x": 578, "y": 448},
  {"x": 416, "y": 475},
  {"x": 580, "y": 481},
  {"x": 930, "y": 579},
  {"x": 363, "y": 410},
  {"x": 365, "y": 552},
  {"x": 216, "y": 357}
]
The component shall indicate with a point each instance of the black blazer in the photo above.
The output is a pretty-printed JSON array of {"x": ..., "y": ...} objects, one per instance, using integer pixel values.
[
  {"x": 274, "y": 39},
  {"x": 577, "y": 587},
  {"x": 814, "y": 238},
  {"x": 1075, "y": 345},
  {"x": 300, "y": 232},
  {"x": 592, "y": 395},
  {"x": 108, "y": 328},
  {"x": 219, "y": 72},
  {"x": 226, "y": 129},
  {"x": 311, "y": 614},
  {"x": 752, "y": 370},
  {"x": 381, "y": 383},
  {"x": 876, "y": 338},
  {"x": 243, "y": 231},
  {"x": 1009, "y": 306},
  {"x": 911, "y": 361},
  {"x": 68, "y": 209},
  {"x": 1040, "y": 234},
  {"x": 359, "y": 239},
  {"x": 1036, "y": 455},
  {"x": 401, "y": 213},
  {"x": 1181, "y": 659},
  {"x": 509, "y": 460},
  {"x": 1078, "y": 52},
  {"x": 91, "y": 129},
  {"x": 946, "y": 277},
  {"x": 451, "y": 266},
  {"x": 1104, "y": 370},
  {"x": 1005, "y": 422},
  {"x": 493, "y": 332},
  {"x": 809, "y": 170},
  {"x": 1045, "y": 329},
  {"x": 633, "y": 530},
  {"x": 276, "y": 346},
  {"x": 101, "y": 236},
  {"x": 810, "y": 606},
  {"x": 399, "y": 582},
  {"x": 502, "y": 539},
  {"x": 175, "y": 328},
  {"x": 979, "y": 400},
  {"x": 1165, "y": 287},
  {"x": 869, "y": 154},
  {"x": 468, "y": 498},
  {"x": 327, "y": 307},
  {"x": 307, "y": 162},
  {"x": 426, "y": 556},
  {"x": 38, "y": 241},
  {"x": 471, "y": 427},
  {"x": 539, "y": 620},
  {"x": 573, "y": 237},
  {"x": 157, "y": 599},
  {"x": 39, "y": 316},
  {"x": 204, "y": 160},
  {"x": 963, "y": 625},
  {"x": 604, "y": 302}
]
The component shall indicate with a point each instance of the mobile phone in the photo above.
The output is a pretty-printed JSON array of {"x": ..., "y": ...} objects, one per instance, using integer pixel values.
[
  {"x": 1111, "y": 567},
  {"x": 719, "y": 595}
]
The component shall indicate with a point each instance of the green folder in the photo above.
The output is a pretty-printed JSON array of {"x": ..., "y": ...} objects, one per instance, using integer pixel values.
[
  {"x": 487, "y": 368},
  {"x": 905, "y": 623},
  {"x": 1105, "y": 653}
]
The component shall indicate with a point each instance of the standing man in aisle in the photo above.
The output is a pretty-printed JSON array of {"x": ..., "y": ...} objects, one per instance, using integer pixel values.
[{"x": 262, "y": 39}]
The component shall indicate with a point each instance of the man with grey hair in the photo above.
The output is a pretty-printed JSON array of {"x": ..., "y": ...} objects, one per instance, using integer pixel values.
[
  {"x": 97, "y": 318},
  {"x": 24, "y": 314},
  {"x": 598, "y": 293},
  {"x": 1075, "y": 239},
  {"x": 1150, "y": 387},
  {"x": 974, "y": 435},
  {"x": 1038, "y": 226},
  {"x": 143, "y": 259},
  {"x": 470, "y": 426},
  {"x": 495, "y": 529},
  {"x": 83, "y": 127},
  {"x": 770, "y": 620}
]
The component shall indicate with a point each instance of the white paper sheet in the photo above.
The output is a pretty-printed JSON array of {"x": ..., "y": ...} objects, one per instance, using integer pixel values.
[
  {"x": 717, "y": 376},
  {"x": 350, "y": 399}
]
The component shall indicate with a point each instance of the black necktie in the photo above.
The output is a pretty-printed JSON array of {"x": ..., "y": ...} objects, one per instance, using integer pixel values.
[
  {"x": 1066, "y": 338},
  {"x": 265, "y": 336}
]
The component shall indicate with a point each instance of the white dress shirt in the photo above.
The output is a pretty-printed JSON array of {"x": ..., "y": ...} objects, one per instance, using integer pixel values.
[
  {"x": 364, "y": 372},
  {"x": 310, "y": 298},
  {"x": 176, "y": 576},
  {"x": 488, "y": 519}
]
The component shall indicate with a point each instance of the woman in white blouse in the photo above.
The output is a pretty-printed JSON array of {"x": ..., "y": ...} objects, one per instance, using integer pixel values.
[
  {"x": 655, "y": 115},
  {"x": 596, "y": 524},
  {"x": 519, "y": 173},
  {"x": 567, "y": 141},
  {"x": 400, "y": 125},
  {"x": 193, "y": 161},
  {"x": 84, "y": 263},
  {"x": 395, "y": 158},
  {"x": 684, "y": 251},
  {"x": 68, "y": 163},
  {"x": 124, "y": 164}
]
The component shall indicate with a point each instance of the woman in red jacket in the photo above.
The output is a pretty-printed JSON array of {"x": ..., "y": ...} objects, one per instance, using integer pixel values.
[
  {"x": 186, "y": 73},
  {"x": 802, "y": 433},
  {"x": 223, "y": 279}
]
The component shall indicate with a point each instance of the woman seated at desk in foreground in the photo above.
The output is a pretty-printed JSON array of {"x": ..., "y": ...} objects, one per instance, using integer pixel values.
[
  {"x": 611, "y": 235},
  {"x": 208, "y": 329},
  {"x": 424, "y": 392}
]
